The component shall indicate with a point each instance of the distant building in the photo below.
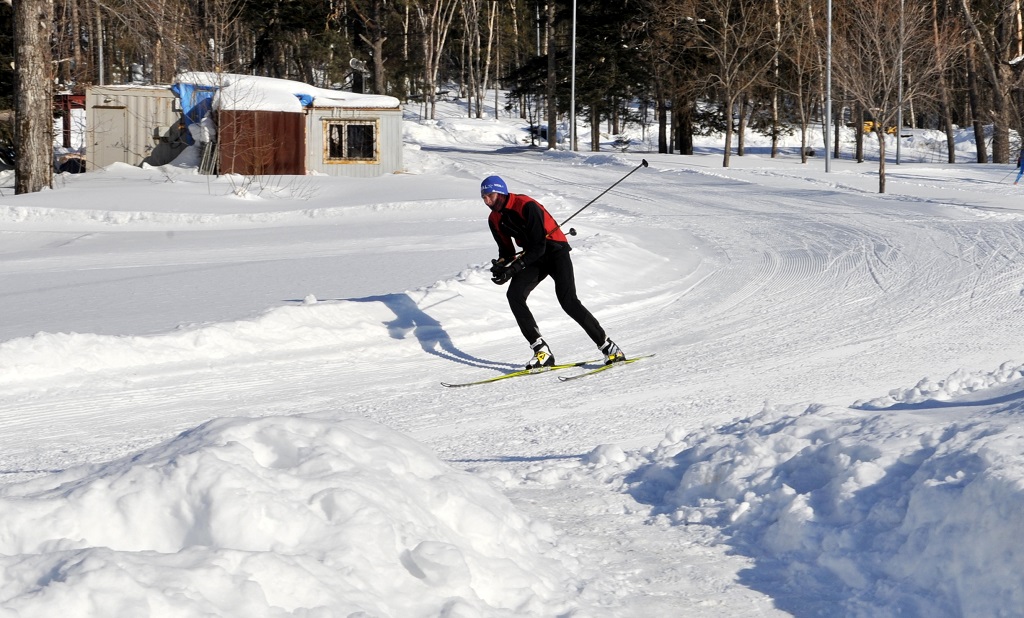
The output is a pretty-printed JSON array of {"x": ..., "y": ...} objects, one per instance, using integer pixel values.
[
  {"x": 245, "y": 125},
  {"x": 262, "y": 125}
]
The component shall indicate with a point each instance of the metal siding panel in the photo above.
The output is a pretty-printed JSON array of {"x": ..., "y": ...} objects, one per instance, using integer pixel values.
[
  {"x": 147, "y": 110},
  {"x": 110, "y": 123},
  {"x": 389, "y": 142},
  {"x": 391, "y": 133}
]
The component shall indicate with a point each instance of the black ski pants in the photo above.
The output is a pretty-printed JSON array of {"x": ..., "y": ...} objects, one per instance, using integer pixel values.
[{"x": 557, "y": 265}]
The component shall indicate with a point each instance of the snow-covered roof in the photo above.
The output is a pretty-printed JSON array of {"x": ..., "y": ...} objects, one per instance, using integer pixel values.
[{"x": 251, "y": 92}]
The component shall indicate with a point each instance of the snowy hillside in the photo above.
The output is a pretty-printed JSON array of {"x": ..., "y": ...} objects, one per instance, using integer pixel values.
[{"x": 221, "y": 396}]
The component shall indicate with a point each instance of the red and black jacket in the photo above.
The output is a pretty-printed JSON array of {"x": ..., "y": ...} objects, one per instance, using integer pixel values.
[{"x": 526, "y": 222}]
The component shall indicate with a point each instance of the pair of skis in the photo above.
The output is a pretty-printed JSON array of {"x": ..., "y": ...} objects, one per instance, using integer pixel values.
[{"x": 530, "y": 372}]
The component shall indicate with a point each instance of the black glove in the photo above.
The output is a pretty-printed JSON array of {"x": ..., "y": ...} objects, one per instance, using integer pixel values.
[
  {"x": 503, "y": 272},
  {"x": 497, "y": 266}
]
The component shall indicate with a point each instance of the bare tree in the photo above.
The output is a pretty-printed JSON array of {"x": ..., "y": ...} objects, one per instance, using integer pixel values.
[
  {"x": 471, "y": 31},
  {"x": 33, "y": 132},
  {"x": 871, "y": 51},
  {"x": 939, "y": 28},
  {"x": 974, "y": 103},
  {"x": 478, "y": 55},
  {"x": 995, "y": 44},
  {"x": 435, "y": 17},
  {"x": 801, "y": 62},
  {"x": 736, "y": 34}
]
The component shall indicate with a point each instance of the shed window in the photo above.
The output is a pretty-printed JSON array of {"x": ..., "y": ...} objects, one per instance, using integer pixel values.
[{"x": 351, "y": 140}]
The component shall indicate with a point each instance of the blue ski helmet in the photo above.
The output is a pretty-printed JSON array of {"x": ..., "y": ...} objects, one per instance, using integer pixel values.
[{"x": 493, "y": 184}]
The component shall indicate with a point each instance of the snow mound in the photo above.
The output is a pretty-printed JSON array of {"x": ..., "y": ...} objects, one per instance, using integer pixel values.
[
  {"x": 838, "y": 504},
  {"x": 835, "y": 504},
  {"x": 344, "y": 325},
  {"x": 957, "y": 384},
  {"x": 274, "y": 517}
]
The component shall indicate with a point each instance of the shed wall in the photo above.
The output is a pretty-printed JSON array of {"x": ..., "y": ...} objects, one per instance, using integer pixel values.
[
  {"x": 131, "y": 124},
  {"x": 389, "y": 142},
  {"x": 257, "y": 143}
]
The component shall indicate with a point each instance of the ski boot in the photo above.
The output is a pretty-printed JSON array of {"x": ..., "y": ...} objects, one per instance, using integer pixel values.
[
  {"x": 542, "y": 356},
  {"x": 612, "y": 353}
]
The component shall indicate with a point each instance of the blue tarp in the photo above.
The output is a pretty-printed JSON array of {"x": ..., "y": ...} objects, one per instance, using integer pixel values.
[{"x": 196, "y": 102}]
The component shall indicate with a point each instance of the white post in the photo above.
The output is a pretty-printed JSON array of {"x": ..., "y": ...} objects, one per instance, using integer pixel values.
[
  {"x": 899, "y": 96},
  {"x": 572, "y": 93},
  {"x": 828, "y": 91}
]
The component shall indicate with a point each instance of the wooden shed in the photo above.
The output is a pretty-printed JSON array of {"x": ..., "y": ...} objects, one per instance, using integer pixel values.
[
  {"x": 255, "y": 142},
  {"x": 274, "y": 126}
]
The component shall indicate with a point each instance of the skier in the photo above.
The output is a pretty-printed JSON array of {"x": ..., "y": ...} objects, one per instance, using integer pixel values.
[
  {"x": 1020, "y": 161},
  {"x": 545, "y": 252}
]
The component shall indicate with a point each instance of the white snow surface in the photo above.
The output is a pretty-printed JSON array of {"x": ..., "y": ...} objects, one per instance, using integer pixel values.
[{"x": 220, "y": 396}]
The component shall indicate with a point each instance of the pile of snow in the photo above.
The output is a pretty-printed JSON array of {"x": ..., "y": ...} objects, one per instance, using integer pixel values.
[
  {"x": 913, "y": 510},
  {"x": 956, "y": 385},
  {"x": 274, "y": 517},
  {"x": 310, "y": 326}
]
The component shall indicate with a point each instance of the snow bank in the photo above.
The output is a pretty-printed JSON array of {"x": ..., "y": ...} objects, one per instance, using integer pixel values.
[
  {"x": 346, "y": 324},
  {"x": 850, "y": 503},
  {"x": 956, "y": 385},
  {"x": 895, "y": 512},
  {"x": 914, "y": 510},
  {"x": 274, "y": 517}
]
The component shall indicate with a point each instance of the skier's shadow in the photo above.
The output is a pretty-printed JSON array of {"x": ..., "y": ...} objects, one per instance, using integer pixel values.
[{"x": 409, "y": 318}]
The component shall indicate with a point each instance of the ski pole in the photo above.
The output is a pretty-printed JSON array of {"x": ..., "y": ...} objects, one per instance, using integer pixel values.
[{"x": 572, "y": 232}]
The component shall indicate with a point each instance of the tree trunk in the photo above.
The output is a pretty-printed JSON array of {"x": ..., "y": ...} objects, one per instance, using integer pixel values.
[
  {"x": 492, "y": 44},
  {"x": 803, "y": 139},
  {"x": 552, "y": 80},
  {"x": 775, "y": 86},
  {"x": 741, "y": 138},
  {"x": 682, "y": 125},
  {"x": 662, "y": 125},
  {"x": 379, "y": 75},
  {"x": 973, "y": 98},
  {"x": 836, "y": 125},
  {"x": 471, "y": 53},
  {"x": 685, "y": 130},
  {"x": 33, "y": 137},
  {"x": 944, "y": 106},
  {"x": 158, "y": 45},
  {"x": 859, "y": 119},
  {"x": 881, "y": 159},
  {"x": 76, "y": 41},
  {"x": 729, "y": 105}
]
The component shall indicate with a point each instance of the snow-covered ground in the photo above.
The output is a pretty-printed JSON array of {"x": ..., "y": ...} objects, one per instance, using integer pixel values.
[{"x": 221, "y": 396}]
